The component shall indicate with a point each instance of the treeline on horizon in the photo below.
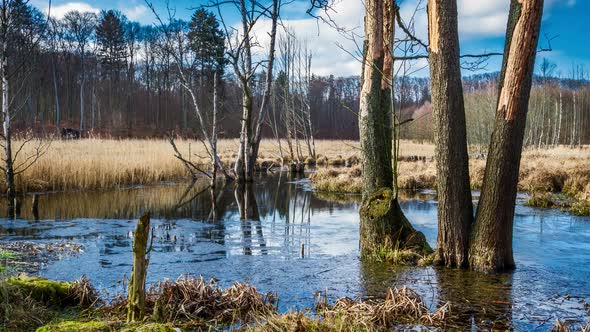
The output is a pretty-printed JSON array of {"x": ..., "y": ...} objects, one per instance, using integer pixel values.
[{"x": 108, "y": 76}]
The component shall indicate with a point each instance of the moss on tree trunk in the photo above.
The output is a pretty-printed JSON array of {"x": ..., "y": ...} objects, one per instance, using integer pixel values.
[{"x": 384, "y": 227}]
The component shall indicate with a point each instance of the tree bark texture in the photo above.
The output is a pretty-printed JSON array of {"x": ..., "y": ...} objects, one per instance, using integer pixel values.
[
  {"x": 383, "y": 225},
  {"x": 455, "y": 210},
  {"x": 491, "y": 242}
]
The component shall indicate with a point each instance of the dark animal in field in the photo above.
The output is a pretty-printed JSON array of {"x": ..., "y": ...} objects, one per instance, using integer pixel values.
[{"x": 69, "y": 133}]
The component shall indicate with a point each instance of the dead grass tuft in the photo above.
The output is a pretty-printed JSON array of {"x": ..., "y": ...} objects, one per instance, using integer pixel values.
[
  {"x": 337, "y": 180},
  {"x": 196, "y": 301},
  {"x": 85, "y": 294},
  {"x": 401, "y": 306}
]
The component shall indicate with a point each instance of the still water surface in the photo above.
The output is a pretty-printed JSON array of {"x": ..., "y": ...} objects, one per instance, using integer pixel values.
[{"x": 297, "y": 243}]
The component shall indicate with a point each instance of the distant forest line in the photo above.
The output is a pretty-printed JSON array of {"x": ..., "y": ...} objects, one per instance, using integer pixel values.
[{"x": 107, "y": 76}]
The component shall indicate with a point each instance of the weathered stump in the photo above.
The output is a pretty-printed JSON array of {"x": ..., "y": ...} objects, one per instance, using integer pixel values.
[{"x": 136, "y": 292}]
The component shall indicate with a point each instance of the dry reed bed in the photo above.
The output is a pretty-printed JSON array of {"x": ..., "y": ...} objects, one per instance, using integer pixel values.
[
  {"x": 558, "y": 170},
  {"x": 91, "y": 164}
]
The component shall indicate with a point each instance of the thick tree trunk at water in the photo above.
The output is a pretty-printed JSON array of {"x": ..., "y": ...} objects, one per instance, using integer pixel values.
[
  {"x": 136, "y": 295},
  {"x": 491, "y": 244},
  {"x": 455, "y": 210},
  {"x": 383, "y": 224}
]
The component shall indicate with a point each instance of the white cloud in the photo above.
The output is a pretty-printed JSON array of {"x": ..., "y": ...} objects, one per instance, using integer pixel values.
[
  {"x": 331, "y": 48},
  {"x": 59, "y": 11},
  {"x": 136, "y": 13},
  {"x": 326, "y": 43}
]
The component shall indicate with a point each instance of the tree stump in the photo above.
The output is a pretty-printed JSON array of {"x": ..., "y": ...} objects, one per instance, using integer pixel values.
[{"x": 136, "y": 291}]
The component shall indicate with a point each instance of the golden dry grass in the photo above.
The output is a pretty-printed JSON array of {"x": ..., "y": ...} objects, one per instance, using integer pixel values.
[
  {"x": 92, "y": 164},
  {"x": 560, "y": 169},
  {"x": 402, "y": 307},
  {"x": 107, "y": 163}
]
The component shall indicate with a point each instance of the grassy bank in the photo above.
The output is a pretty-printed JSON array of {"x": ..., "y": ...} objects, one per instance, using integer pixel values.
[{"x": 558, "y": 177}]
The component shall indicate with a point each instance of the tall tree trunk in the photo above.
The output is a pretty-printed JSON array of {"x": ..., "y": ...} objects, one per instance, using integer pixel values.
[
  {"x": 255, "y": 144},
  {"x": 243, "y": 174},
  {"x": 558, "y": 123},
  {"x": 8, "y": 163},
  {"x": 491, "y": 243},
  {"x": 82, "y": 82},
  {"x": 56, "y": 93},
  {"x": 455, "y": 210},
  {"x": 383, "y": 224},
  {"x": 242, "y": 162}
]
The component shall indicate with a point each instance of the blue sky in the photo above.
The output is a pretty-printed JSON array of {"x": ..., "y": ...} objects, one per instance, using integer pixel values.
[{"x": 482, "y": 26}]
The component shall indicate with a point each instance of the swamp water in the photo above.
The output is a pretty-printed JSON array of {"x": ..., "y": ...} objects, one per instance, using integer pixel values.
[{"x": 300, "y": 243}]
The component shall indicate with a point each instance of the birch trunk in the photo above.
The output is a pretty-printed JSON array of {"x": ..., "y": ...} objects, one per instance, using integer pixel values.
[{"x": 7, "y": 131}]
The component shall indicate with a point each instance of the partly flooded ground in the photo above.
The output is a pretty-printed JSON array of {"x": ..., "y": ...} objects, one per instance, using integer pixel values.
[{"x": 301, "y": 243}]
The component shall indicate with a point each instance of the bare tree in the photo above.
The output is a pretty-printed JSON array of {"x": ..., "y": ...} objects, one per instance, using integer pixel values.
[
  {"x": 10, "y": 11},
  {"x": 241, "y": 44},
  {"x": 80, "y": 28},
  {"x": 208, "y": 130}
]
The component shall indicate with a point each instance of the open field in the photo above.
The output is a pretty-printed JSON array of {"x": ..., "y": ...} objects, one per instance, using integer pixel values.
[
  {"x": 91, "y": 164},
  {"x": 95, "y": 164}
]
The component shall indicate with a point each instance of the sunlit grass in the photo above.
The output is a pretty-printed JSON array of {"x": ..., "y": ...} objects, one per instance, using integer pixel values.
[{"x": 96, "y": 164}]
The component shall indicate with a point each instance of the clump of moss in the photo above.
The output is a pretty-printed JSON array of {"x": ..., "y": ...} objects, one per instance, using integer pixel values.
[
  {"x": 549, "y": 200},
  {"x": 150, "y": 327},
  {"x": 6, "y": 254},
  {"x": 581, "y": 208},
  {"x": 75, "y": 326},
  {"x": 43, "y": 290},
  {"x": 20, "y": 312},
  {"x": 299, "y": 321},
  {"x": 29, "y": 302}
]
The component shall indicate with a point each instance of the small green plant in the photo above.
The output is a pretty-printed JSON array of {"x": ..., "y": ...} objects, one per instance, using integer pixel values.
[
  {"x": 581, "y": 208},
  {"x": 5, "y": 254},
  {"x": 395, "y": 255}
]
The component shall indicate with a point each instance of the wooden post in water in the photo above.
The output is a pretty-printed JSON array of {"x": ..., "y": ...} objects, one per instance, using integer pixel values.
[
  {"x": 16, "y": 208},
  {"x": 35, "y": 206},
  {"x": 136, "y": 292}
]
